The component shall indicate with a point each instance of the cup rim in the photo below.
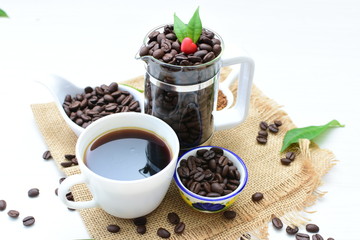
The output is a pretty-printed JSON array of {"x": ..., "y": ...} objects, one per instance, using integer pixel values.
[
  {"x": 178, "y": 66},
  {"x": 212, "y": 199},
  {"x": 83, "y": 166}
]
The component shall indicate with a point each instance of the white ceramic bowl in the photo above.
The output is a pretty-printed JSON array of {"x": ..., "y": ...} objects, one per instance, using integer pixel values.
[
  {"x": 212, "y": 204},
  {"x": 60, "y": 87}
]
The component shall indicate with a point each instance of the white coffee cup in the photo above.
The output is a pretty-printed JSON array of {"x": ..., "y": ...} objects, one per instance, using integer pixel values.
[{"x": 124, "y": 199}]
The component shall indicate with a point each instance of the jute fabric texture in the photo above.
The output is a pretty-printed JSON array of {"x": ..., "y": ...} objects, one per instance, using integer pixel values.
[{"x": 287, "y": 190}]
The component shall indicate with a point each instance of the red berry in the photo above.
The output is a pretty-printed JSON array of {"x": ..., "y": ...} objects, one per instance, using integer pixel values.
[{"x": 187, "y": 46}]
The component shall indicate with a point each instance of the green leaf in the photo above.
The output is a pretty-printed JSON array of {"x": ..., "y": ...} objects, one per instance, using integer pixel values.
[
  {"x": 194, "y": 27},
  {"x": 180, "y": 28},
  {"x": 139, "y": 90},
  {"x": 293, "y": 135},
  {"x": 3, "y": 13}
]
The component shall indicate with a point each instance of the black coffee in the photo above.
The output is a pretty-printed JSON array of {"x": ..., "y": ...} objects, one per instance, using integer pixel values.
[{"x": 127, "y": 154}]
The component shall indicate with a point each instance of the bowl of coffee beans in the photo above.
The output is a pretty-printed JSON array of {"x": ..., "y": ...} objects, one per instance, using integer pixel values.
[
  {"x": 80, "y": 106},
  {"x": 210, "y": 178}
]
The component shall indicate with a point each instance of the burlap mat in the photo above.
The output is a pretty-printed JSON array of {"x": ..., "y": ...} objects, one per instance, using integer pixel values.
[{"x": 287, "y": 189}]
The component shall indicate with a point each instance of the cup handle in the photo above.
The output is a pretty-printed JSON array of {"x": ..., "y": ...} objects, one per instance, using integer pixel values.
[
  {"x": 65, "y": 187},
  {"x": 233, "y": 116}
]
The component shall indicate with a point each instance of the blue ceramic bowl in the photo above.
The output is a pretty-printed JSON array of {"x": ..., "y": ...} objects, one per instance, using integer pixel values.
[{"x": 212, "y": 204}]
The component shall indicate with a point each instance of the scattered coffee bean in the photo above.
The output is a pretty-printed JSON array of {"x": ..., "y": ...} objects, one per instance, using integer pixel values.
[
  {"x": 173, "y": 218},
  {"x": 46, "y": 155},
  {"x": 302, "y": 236},
  {"x": 290, "y": 155},
  {"x": 163, "y": 233},
  {"x": 285, "y": 161},
  {"x": 292, "y": 230},
  {"x": 263, "y": 125},
  {"x": 13, "y": 213},
  {"x": 28, "y": 221},
  {"x": 261, "y": 139},
  {"x": 61, "y": 179},
  {"x": 209, "y": 173},
  {"x": 140, "y": 221},
  {"x": 2, "y": 205},
  {"x": 257, "y": 196},
  {"x": 229, "y": 214},
  {"x": 277, "y": 223},
  {"x": 263, "y": 133},
  {"x": 66, "y": 164},
  {"x": 278, "y": 123},
  {"x": 141, "y": 229},
  {"x": 317, "y": 237},
  {"x": 113, "y": 228},
  {"x": 273, "y": 128},
  {"x": 69, "y": 156},
  {"x": 313, "y": 228},
  {"x": 34, "y": 192},
  {"x": 245, "y": 236},
  {"x": 179, "y": 228}
]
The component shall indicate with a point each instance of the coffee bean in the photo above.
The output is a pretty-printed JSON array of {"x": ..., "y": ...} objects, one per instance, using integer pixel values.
[
  {"x": 292, "y": 230},
  {"x": 173, "y": 218},
  {"x": 140, "y": 221},
  {"x": 2, "y": 205},
  {"x": 245, "y": 236},
  {"x": 317, "y": 237},
  {"x": 216, "y": 187},
  {"x": 163, "y": 233},
  {"x": 273, "y": 128},
  {"x": 217, "y": 150},
  {"x": 229, "y": 214},
  {"x": 261, "y": 139},
  {"x": 285, "y": 161},
  {"x": 13, "y": 213},
  {"x": 33, "y": 192},
  {"x": 290, "y": 155},
  {"x": 208, "y": 57},
  {"x": 278, "y": 123},
  {"x": 263, "y": 133},
  {"x": 66, "y": 164},
  {"x": 264, "y": 125},
  {"x": 179, "y": 228},
  {"x": 277, "y": 223},
  {"x": 28, "y": 221},
  {"x": 209, "y": 155},
  {"x": 141, "y": 229},
  {"x": 46, "y": 155},
  {"x": 302, "y": 236},
  {"x": 313, "y": 228},
  {"x": 257, "y": 196},
  {"x": 113, "y": 228}
]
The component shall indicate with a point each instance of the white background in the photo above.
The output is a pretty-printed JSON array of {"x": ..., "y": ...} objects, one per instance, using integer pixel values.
[{"x": 307, "y": 56}]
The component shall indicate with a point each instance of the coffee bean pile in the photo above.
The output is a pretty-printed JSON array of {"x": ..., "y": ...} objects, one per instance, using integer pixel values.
[
  {"x": 94, "y": 103},
  {"x": 209, "y": 173},
  {"x": 262, "y": 136},
  {"x": 294, "y": 230},
  {"x": 165, "y": 47},
  {"x": 289, "y": 157}
]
